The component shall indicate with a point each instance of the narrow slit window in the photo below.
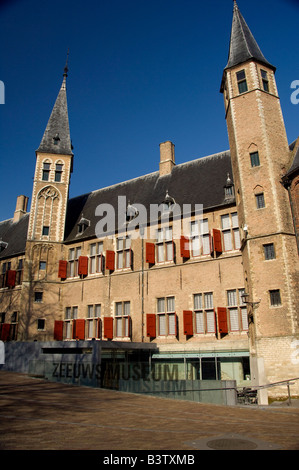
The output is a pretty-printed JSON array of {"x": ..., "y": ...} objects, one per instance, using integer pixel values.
[{"x": 265, "y": 80}]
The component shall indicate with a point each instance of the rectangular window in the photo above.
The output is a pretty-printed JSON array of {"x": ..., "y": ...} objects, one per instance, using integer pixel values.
[
  {"x": 73, "y": 261},
  {"x": 255, "y": 159},
  {"x": 58, "y": 172},
  {"x": 269, "y": 251},
  {"x": 122, "y": 318},
  {"x": 242, "y": 83},
  {"x": 96, "y": 258},
  {"x": 38, "y": 297},
  {"x": 19, "y": 273},
  {"x": 123, "y": 252},
  {"x": 230, "y": 231},
  {"x": 42, "y": 265},
  {"x": 204, "y": 313},
  {"x": 275, "y": 299},
  {"x": 71, "y": 313},
  {"x": 93, "y": 320},
  {"x": 237, "y": 310},
  {"x": 41, "y": 324},
  {"x": 166, "y": 316},
  {"x": 46, "y": 230},
  {"x": 265, "y": 80},
  {"x": 260, "y": 201},
  {"x": 164, "y": 245},
  {"x": 46, "y": 171},
  {"x": 200, "y": 237}
]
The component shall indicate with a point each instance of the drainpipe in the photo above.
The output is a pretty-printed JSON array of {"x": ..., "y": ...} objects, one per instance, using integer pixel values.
[{"x": 293, "y": 217}]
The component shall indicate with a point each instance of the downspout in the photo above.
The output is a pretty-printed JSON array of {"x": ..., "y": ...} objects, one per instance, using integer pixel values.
[{"x": 293, "y": 215}]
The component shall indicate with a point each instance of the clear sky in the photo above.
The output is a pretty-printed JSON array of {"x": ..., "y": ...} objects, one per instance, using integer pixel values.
[{"x": 140, "y": 72}]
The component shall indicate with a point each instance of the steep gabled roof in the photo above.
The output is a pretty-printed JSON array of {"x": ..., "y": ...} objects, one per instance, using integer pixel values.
[
  {"x": 56, "y": 138},
  {"x": 14, "y": 234},
  {"x": 243, "y": 46},
  {"x": 295, "y": 165},
  {"x": 199, "y": 181}
]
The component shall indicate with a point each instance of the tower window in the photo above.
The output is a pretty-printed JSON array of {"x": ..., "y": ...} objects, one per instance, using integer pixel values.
[
  {"x": 260, "y": 200},
  {"x": 265, "y": 80},
  {"x": 42, "y": 265},
  {"x": 46, "y": 230},
  {"x": 58, "y": 172},
  {"x": 242, "y": 83},
  {"x": 255, "y": 159},
  {"x": 269, "y": 251},
  {"x": 46, "y": 171},
  {"x": 275, "y": 299},
  {"x": 38, "y": 297},
  {"x": 41, "y": 324}
]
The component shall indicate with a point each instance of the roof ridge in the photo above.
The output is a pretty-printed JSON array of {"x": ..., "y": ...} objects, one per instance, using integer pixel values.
[{"x": 225, "y": 152}]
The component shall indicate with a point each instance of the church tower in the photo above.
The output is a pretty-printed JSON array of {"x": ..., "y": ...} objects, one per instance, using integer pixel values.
[
  {"x": 260, "y": 157},
  {"x": 54, "y": 159}
]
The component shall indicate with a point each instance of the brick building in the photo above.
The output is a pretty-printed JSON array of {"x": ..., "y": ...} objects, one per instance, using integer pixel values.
[{"x": 199, "y": 259}]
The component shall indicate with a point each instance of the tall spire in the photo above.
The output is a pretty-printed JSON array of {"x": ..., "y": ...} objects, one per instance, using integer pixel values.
[
  {"x": 56, "y": 138},
  {"x": 243, "y": 45}
]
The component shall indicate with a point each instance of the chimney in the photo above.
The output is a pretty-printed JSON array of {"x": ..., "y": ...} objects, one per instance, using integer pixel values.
[
  {"x": 21, "y": 208},
  {"x": 166, "y": 158}
]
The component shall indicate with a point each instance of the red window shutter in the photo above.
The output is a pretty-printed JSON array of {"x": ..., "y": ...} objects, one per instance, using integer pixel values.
[
  {"x": 58, "y": 330},
  {"x": 108, "y": 327},
  {"x": 222, "y": 320},
  {"x": 5, "y": 332},
  {"x": 79, "y": 329},
  {"x": 11, "y": 278},
  {"x": 151, "y": 325},
  {"x": 217, "y": 240},
  {"x": 62, "y": 270},
  {"x": 110, "y": 260},
  {"x": 83, "y": 266},
  {"x": 188, "y": 322},
  {"x": 150, "y": 253},
  {"x": 185, "y": 248}
]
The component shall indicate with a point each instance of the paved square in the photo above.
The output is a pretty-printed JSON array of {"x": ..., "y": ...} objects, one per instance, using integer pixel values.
[{"x": 39, "y": 415}]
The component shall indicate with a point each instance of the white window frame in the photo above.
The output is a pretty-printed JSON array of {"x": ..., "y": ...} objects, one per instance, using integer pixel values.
[
  {"x": 123, "y": 252},
  {"x": 200, "y": 237},
  {"x": 122, "y": 314},
  {"x": 203, "y": 307},
  {"x": 93, "y": 319},
  {"x": 230, "y": 232},
  {"x": 70, "y": 314},
  {"x": 73, "y": 261},
  {"x": 96, "y": 257},
  {"x": 166, "y": 316},
  {"x": 164, "y": 245},
  {"x": 237, "y": 310}
]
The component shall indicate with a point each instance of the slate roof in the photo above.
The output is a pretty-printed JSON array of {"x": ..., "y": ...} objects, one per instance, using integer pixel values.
[
  {"x": 295, "y": 165},
  {"x": 243, "y": 45},
  {"x": 56, "y": 138},
  {"x": 15, "y": 234},
  {"x": 199, "y": 181}
]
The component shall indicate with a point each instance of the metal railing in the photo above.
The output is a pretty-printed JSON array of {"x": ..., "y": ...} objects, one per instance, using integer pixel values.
[{"x": 250, "y": 393}]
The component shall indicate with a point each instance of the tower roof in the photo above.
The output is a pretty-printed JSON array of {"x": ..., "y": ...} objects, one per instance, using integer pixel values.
[
  {"x": 243, "y": 46},
  {"x": 56, "y": 138}
]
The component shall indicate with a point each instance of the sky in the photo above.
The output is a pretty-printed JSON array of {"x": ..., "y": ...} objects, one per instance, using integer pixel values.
[{"x": 141, "y": 72}]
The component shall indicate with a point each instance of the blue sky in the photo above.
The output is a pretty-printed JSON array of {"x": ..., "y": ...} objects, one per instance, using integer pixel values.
[{"x": 140, "y": 72}]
